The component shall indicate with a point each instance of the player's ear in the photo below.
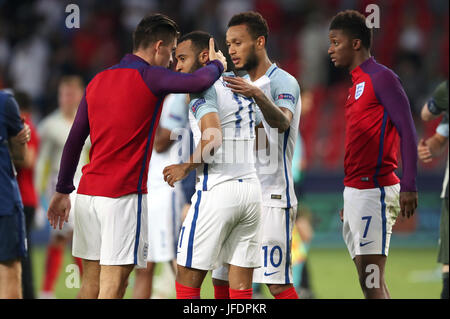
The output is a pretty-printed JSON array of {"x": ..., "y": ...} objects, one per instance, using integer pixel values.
[
  {"x": 158, "y": 44},
  {"x": 203, "y": 56},
  {"x": 356, "y": 44},
  {"x": 261, "y": 42}
]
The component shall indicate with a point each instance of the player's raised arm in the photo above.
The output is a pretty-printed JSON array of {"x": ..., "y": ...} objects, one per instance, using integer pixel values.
[{"x": 163, "y": 81}]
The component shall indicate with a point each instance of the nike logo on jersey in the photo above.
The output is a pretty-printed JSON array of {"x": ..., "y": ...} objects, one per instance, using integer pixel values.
[
  {"x": 364, "y": 244},
  {"x": 270, "y": 273}
]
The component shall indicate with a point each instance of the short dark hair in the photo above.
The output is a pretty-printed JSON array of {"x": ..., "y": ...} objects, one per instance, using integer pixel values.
[
  {"x": 153, "y": 28},
  {"x": 200, "y": 40},
  {"x": 354, "y": 25},
  {"x": 254, "y": 21}
]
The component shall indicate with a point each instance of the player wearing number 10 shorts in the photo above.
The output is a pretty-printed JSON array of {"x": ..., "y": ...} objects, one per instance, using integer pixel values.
[{"x": 277, "y": 97}]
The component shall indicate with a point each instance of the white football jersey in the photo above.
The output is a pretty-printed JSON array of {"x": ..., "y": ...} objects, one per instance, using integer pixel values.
[
  {"x": 53, "y": 132},
  {"x": 235, "y": 159},
  {"x": 275, "y": 170}
]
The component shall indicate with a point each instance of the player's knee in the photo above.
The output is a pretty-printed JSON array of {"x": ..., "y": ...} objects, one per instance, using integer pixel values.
[
  {"x": 89, "y": 290},
  {"x": 145, "y": 272},
  {"x": 112, "y": 290},
  {"x": 182, "y": 274}
]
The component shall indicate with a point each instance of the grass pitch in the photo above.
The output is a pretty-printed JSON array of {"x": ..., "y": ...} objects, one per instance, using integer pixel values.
[{"x": 410, "y": 274}]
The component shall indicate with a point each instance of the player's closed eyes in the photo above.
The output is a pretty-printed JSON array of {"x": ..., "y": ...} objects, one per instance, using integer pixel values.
[{"x": 235, "y": 43}]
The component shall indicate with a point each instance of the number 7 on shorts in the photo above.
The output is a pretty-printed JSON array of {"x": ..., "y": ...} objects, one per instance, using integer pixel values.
[{"x": 368, "y": 218}]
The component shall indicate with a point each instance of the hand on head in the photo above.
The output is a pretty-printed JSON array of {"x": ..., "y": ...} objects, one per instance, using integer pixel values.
[{"x": 213, "y": 55}]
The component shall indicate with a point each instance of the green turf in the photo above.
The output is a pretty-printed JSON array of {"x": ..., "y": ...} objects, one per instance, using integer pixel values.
[{"x": 410, "y": 273}]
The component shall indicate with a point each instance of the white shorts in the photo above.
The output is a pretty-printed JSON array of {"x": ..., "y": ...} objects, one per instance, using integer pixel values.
[
  {"x": 222, "y": 227},
  {"x": 111, "y": 230},
  {"x": 369, "y": 215},
  {"x": 275, "y": 254},
  {"x": 164, "y": 219}
]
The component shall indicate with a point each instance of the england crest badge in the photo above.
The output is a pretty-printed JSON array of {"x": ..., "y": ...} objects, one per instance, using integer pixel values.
[{"x": 359, "y": 90}]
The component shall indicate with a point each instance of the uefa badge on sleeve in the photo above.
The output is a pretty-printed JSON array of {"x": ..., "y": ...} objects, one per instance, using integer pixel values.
[{"x": 359, "y": 90}]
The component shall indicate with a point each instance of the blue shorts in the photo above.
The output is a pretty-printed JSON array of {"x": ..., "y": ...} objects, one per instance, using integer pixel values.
[{"x": 13, "y": 242}]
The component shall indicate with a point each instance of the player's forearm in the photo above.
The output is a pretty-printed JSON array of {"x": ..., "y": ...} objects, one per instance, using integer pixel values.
[
  {"x": 402, "y": 119},
  {"x": 163, "y": 81},
  {"x": 69, "y": 162},
  {"x": 72, "y": 150},
  {"x": 205, "y": 149},
  {"x": 162, "y": 140},
  {"x": 205, "y": 77},
  {"x": 272, "y": 114},
  {"x": 17, "y": 150},
  {"x": 409, "y": 161},
  {"x": 408, "y": 147},
  {"x": 28, "y": 160}
]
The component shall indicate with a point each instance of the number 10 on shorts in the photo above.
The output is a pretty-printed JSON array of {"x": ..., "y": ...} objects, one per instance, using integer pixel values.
[{"x": 272, "y": 256}]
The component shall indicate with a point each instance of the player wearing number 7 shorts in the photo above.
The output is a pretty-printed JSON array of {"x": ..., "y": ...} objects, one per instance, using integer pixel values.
[
  {"x": 277, "y": 97},
  {"x": 377, "y": 115}
]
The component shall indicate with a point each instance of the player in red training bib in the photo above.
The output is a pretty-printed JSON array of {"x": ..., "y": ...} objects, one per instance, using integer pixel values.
[
  {"x": 377, "y": 116},
  {"x": 121, "y": 110}
]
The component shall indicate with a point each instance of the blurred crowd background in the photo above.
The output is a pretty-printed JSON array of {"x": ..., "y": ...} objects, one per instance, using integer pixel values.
[{"x": 37, "y": 49}]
